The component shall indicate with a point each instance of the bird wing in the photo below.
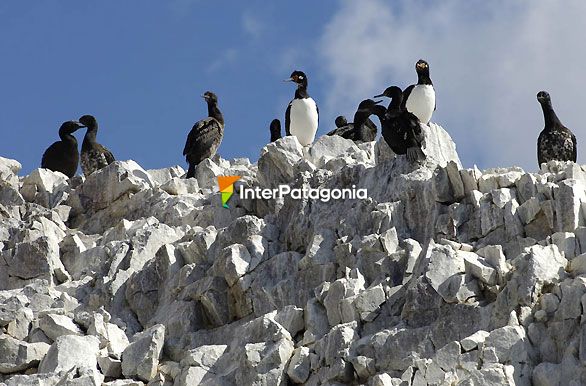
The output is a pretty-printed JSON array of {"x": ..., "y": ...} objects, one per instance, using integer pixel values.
[
  {"x": 406, "y": 94},
  {"x": 540, "y": 159},
  {"x": 53, "y": 149},
  {"x": 575, "y": 149},
  {"x": 107, "y": 154},
  {"x": 288, "y": 119},
  {"x": 371, "y": 129},
  {"x": 344, "y": 131},
  {"x": 203, "y": 139}
]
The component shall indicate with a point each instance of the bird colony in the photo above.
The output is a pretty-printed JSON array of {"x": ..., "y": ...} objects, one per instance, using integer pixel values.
[{"x": 441, "y": 275}]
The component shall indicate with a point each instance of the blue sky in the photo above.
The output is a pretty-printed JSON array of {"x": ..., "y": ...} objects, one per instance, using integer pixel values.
[{"x": 140, "y": 66}]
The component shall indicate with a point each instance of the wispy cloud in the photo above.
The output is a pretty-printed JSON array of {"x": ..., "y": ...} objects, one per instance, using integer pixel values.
[
  {"x": 488, "y": 60},
  {"x": 252, "y": 25},
  {"x": 227, "y": 57}
]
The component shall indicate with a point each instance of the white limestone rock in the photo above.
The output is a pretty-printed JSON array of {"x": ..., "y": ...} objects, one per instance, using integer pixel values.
[{"x": 141, "y": 357}]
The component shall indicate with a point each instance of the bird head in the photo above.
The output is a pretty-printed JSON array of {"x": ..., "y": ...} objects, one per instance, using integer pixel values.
[
  {"x": 70, "y": 127},
  {"x": 421, "y": 66},
  {"x": 210, "y": 97},
  {"x": 88, "y": 121},
  {"x": 543, "y": 97},
  {"x": 298, "y": 77},
  {"x": 341, "y": 121},
  {"x": 390, "y": 92}
]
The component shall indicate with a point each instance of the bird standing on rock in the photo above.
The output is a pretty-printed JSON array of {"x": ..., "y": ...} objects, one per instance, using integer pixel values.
[
  {"x": 275, "y": 129},
  {"x": 63, "y": 156},
  {"x": 93, "y": 155},
  {"x": 400, "y": 129},
  {"x": 302, "y": 115},
  {"x": 362, "y": 129},
  {"x": 419, "y": 98},
  {"x": 555, "y": 142},
  {"x": 205, "y": 136}
]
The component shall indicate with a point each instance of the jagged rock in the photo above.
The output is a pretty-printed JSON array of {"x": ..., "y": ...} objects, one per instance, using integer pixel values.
[
  {"x": 16, "y": 355},
  {"x": 141, "y": 357},
  {"x": 299, "y": 365},
  {"x": 440, "y": 275},
  {"x": 444, "y": 265},
  {"x": 45, "y": 187},
  {"x": 73, "y": 353},
  {"x": 54, "y": 326},
  {"x": 474, "y": 340},
  {"x": 37, "y": 259},
  {"x": 277, "y": 160},
  {"x": 110, "y": 367},
  {"x": 162, "y": 176}
]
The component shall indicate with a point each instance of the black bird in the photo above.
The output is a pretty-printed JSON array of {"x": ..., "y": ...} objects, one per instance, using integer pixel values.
[
  {"x": 555, "y": 142},
  {"x": 400, "y": 129},
  {"x": 93, "y": 155},
  {"x": 362, "y": 129},
  {"x": 205, "y": 136},
  {"x": 341, "y": 121},
  {"x": 419, "y": 98},
  {"x": 275, "y": 130},
  {"x": 302, "y": 115},
  {"x": 62, "y": 156}
]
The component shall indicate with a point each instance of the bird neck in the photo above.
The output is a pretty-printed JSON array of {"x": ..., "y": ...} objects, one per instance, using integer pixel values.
[
  {"x": 550, "y": 117},
  {"x": 68, "y": 137},
  {"x": 301, "y": 92},
  {"x": 360, "y": 117},
  {"x": 396, "y": 102},
  {"x": 90, "y": 135},
  {"x": 379, "y": 111},
  {"x": 423, "y": 78},
  {"x": 214, "y": 112}
]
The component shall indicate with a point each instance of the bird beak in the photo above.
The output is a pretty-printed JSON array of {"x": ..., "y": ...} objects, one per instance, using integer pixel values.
[
  {"x": 289, "y": 80},
  {"x": 377, "y": 102},
  {"x": 379, "y": 96},
  {"x": 79, "y": 124}
]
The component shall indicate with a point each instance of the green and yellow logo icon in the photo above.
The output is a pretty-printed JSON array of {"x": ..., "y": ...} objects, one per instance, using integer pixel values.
[{"x": 226, "y": 184}]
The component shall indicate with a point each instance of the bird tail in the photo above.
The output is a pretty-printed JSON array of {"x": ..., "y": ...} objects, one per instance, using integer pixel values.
[
  {"x": 191, "y": 171},
  {"x": 415, "y": 154}
]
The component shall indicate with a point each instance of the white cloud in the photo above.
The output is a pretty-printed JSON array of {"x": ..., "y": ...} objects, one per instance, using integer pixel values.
[
  {"x": 252, "y": 25},
  {"x": 488, "y": 61},
  {"x": 226, "y": 58}
]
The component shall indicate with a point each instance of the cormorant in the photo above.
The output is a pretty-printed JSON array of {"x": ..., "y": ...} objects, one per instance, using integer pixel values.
[
  {"x": 555, "y": 142},
  {"x": 302, "y": 115},
  {"x": 62, "y": 156},
  {"x": 275, "y": 129},
  {"x": 419, "y": 98},
  {"x": 205, "y": 136},
  {"x": 362, "y": 129},
  {"x": 400, "y": 128},
  {"x": 93, "y": 155},
  {"x": 341, "y": 121}
]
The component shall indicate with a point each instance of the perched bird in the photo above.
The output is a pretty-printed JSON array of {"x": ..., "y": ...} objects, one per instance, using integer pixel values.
[
  {"x": 93, "y": 155},
  {"x": 362, "y": 129},
  {"x": 419, "y": 98},
  {"x": 302, "y": 115},
  {"x": 400, "y": 128},
  {"x": 341, "y": 121},
  {"x": 205, "y": 136},
  {"x": 62, "y": 156},
  {"x": 555, "y": 142},
  {"x": 275, "y": 130}
]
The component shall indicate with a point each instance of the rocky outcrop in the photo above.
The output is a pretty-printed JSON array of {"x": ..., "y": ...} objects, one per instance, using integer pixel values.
[{"x": 439, "y": 275}]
